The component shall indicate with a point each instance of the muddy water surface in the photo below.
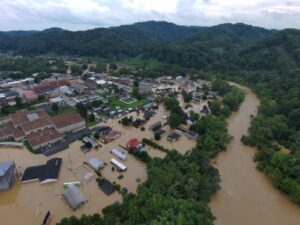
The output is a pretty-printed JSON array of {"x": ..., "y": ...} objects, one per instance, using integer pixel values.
[
  {"x": 27, "y": 204},
  {"x": 247, "y": 196}
]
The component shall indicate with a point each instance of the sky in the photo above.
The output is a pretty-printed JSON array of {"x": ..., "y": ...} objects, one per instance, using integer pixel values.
[{"x": 88, "y": 14}]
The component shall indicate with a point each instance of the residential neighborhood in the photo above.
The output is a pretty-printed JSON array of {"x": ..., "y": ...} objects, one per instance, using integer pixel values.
[{"x": 88, "y": 136}]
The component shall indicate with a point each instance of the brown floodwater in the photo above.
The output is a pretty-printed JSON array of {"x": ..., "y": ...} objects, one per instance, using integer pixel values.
[
  {"x": 28, "y": 203},
  {"x": 247, "y": 196}
]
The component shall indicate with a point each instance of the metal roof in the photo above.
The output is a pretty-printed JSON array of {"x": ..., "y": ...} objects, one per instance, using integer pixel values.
[
  {"x": 74, "y": 197},
  {"x": 4, "y": 167}
]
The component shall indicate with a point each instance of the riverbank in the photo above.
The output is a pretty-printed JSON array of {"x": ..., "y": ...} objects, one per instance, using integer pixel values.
[{"x": 247, "y": 196}]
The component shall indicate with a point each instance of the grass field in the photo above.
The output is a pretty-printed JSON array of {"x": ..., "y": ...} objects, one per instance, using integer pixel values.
[{"x": 114, "y": 101}]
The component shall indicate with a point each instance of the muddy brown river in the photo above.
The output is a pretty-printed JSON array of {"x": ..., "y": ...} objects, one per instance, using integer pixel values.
[{"x": 247, "y": 196}]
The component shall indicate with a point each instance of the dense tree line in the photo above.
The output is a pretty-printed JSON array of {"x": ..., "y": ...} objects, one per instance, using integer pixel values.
[
  {"x": 231, "y": 98},
  {"x": 24, "y": 67}
]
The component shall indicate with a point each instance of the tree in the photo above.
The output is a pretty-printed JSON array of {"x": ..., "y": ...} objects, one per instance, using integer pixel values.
[
  {"x": 19, "y": 102},
  {"x": 215, "y": 107},
  {"x": 96, "y": 135},
  {"x": 41, "y": 97},
  {"x": 76, "y": 70},
  {"x": 55, "y": 107},
  {"x": 174, "y": 120},
  {"x": 92, "y": 117},
  {"x": 84, "y": 66},
  {"x": 157, "y": 136},
  {"x": 126, "y": 121},
  {"x": 136, "y": 93},
  {"x": 113, "y": 66},
  {"x": 82, "y": 110},
  {"x": 187, "y": 97},
  {"x": 233, "y": 98},
  {"x": 170, "y": 103},
  {"x": 220, "y": 86}
]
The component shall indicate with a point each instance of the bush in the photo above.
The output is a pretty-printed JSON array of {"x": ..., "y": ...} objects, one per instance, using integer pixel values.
[
  {"x": 157, "y": 136},
  {"x": 155, "y": 145},
  {"x": 141, "y": 155}
]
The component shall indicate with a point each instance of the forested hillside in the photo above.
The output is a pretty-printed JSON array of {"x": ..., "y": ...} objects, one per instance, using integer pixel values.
[
  {"x": 266, "y": 60},
  {"x": 150, "y": 38}
]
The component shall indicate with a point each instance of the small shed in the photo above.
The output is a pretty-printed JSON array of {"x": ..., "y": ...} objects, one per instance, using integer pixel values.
[
  {"x": 7, "y": 175},
  {"x": 192, "y": 135},
  {"x": 107, "y": 187},
  {"x": 160, "y": 132},
  {"x": 155, "y": 126},
  {"x": 133, "y": 144},
  {"x": 173, "y": 137},
  {"x": 90, "y": 141},
  {"x": 96, "y": 163},
  {"x": 74, "y": 197},
  {"x": 114, "y": 134}
]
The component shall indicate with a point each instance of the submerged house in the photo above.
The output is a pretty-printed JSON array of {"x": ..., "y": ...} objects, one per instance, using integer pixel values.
[
  {"x": 74, "y": 197},
  {"x": 192, "y": 135},
  {"x": 44, "y": 173},
  {"x": 7, "y": 175},
  {"x": 155, "y": 126},
  {"x": 173, "y": 137}
]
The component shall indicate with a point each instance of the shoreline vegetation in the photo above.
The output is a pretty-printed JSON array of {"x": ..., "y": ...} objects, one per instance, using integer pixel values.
[
  {"x": 265, "y": 60},
  {"x": 178, "y": 187}
]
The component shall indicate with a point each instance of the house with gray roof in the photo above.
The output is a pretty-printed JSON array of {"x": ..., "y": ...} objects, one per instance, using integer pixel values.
[{"x": 7, "y": 175}]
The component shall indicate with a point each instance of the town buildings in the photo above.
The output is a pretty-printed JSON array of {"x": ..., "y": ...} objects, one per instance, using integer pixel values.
[{"x": 38, "y": 128}]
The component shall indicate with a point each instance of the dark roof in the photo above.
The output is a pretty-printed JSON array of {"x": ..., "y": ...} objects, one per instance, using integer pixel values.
[
  {"x": 192, "y": 133},
  {"x": 160, "y": 132},
  {"x": 174, "y": 136},
  {"x": 148, "y": 115},
  {"x": 43, "y": 172},
  {"x": 107, "y": 187},
  {"x": 104, "y": 129},
  {"x": 181, "y": 129},
  {"x": 155, "y": 126}
]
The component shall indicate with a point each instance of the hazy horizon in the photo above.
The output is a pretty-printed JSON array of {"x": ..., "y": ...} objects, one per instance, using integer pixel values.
[
  {"x": 135, "y": 23},
  {"x": 82, "y": 15}
]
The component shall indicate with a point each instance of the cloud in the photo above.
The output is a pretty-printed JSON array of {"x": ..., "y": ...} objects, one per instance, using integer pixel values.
[{"x": 85, "y": 14}]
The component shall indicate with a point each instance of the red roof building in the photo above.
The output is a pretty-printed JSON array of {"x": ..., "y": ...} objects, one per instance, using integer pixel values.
[
  {"x": 133, "y": 144},
  {"x": 112, "y": 135},
  {"x": 30, "y": 96}
]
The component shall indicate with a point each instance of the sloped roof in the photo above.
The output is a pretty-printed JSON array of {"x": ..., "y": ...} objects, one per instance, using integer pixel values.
[
  {"x": 30, "y": 95},
  {"x": 133, "y": 143},
  {"x": 4, "y": 167},
  {"x": 66, "y": 119},
  {"x": 74, "y": 197},
  {"x": 43, "y": 172}
]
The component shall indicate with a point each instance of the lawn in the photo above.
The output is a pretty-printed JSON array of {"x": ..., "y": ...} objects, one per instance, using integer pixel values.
[
  {"x": 62, "y": 111},
  {"x": 114, "y": 101}
]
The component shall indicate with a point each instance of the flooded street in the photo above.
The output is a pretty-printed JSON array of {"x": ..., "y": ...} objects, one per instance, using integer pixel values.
[
  {"x": 247, "y": 196},
  {"x": 31, "y": 201}
]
